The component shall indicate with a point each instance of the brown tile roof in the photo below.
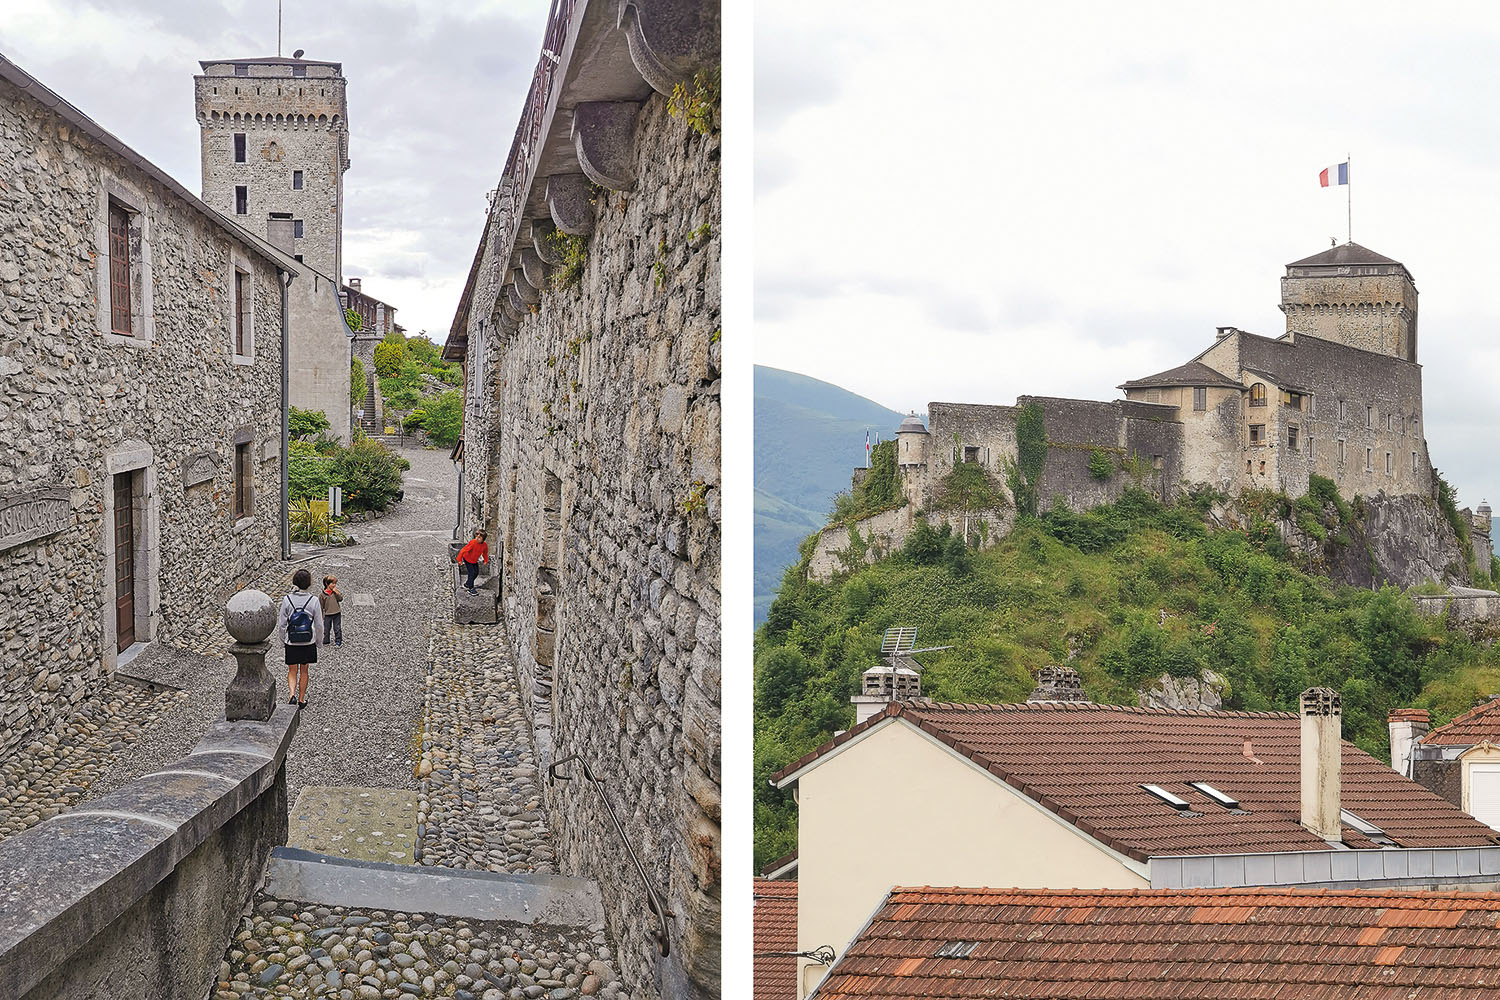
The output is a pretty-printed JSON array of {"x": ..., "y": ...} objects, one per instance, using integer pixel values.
[
  {"x": 775, "y": 931},
  {"x": 1347, "y": 253},
  {"x": 1289, "y": 944},
  {"x": 1192, "y": 373},
  {"x": 1086, "y": 763},
  {"x": 1475, "y": 726},
  {"x": 785, "y": 863}
]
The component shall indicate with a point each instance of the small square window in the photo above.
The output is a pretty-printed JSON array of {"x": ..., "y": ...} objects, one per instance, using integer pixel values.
[
  {"x": 297, "y": 257},
  {"x": 1153, "y": 395},
  {"x": 1200, "y": 397},
  {"x": 239, "y": 147},
  {"x": 971, "y": 453},
  {"x": 1291, "y": 438},
  {"x": 299, "y": 70},
  {"x": 240, "y": 69},
  {"x": 1257, "y": 434},
  {"x": 241, "y": 200},
  {"x": 297, "y": 228},
  {"x": 296, "y": 180}
]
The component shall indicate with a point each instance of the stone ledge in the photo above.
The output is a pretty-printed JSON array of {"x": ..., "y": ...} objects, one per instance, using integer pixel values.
[
  {"x": 549, "y": 900},
  {"x": 66, "y": 880}
]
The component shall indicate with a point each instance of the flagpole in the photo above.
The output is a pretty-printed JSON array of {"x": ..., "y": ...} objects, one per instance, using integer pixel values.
[{"x": 1349, "y": 175}]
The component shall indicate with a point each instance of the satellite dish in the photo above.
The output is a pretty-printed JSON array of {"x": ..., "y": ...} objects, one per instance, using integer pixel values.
[{"x": 298, "y": 54}]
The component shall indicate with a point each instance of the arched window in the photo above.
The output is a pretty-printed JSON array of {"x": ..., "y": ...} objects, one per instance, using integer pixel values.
[{"x": 1258, "y": 394}]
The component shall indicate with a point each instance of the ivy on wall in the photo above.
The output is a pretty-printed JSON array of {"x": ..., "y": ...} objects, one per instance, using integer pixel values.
[{"x": 1025, "y": 473}]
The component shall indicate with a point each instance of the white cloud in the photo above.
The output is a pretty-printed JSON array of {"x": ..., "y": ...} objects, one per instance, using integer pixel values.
[{"x": 984, "y": 199}]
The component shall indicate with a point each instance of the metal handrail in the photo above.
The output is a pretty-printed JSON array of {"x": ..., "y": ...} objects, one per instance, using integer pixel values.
[{"x": 653, "y": 898}]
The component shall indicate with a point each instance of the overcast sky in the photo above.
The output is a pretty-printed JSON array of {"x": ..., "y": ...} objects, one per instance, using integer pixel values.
[
  {"x": 973, "y": 200},
  {"x": 435, "y": 91}
]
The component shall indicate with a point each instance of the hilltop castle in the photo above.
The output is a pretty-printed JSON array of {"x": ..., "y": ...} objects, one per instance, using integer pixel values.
[{"x": 1338, "y": 395}]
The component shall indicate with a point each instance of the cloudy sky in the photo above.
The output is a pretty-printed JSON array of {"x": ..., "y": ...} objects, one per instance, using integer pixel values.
[
  {"x": 990, "y": 199},
  {"x": 435, "y": 91}
]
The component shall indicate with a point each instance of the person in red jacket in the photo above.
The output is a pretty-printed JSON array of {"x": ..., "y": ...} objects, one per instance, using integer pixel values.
[{"x": 471, "y": 555}]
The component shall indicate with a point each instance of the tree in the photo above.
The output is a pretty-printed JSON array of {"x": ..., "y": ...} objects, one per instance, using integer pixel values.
[
  {"x": 357, "y": 386},
  {"x": 305, "y": 423},
  {"x": 971, "y": 489},
  {"x": 389, "y": 354},
  {"x": 355, "y": 321}
]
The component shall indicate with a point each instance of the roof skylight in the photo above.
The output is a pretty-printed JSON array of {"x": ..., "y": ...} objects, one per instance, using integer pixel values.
[
  {"x": 1167, "y": 797},
  {"x": 1367, "y": 828},
  {"x": 1227, "y": 801}
]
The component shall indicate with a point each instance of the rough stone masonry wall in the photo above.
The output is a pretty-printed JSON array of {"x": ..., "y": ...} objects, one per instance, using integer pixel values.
[
  {"x": 70, "y": 397},
  {"x": 598, "y": 427}
]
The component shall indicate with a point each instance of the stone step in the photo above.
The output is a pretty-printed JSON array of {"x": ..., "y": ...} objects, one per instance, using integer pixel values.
[{"x": 550, "y": 900}]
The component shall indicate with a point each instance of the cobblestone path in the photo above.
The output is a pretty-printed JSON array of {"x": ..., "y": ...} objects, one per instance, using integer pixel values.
[
  {"x": 480, "y": 801},
  {"x": 286, "y": 949},
  {"x": 57, "y": 770}
]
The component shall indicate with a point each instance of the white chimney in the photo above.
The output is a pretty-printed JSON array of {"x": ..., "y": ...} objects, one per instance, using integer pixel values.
[
  {"x": 1407, "y": 725},
  {"x": 883, "y": 684},
  {"x": 1322, "y": 763}
]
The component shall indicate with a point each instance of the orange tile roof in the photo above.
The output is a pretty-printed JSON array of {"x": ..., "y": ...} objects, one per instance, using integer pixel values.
[
  {"x": 1086, "y": 763},
  {"x": 1288, "y": 944},
  {"x": 1475, "y": 726},
  {"x": 775, "y": 931}
]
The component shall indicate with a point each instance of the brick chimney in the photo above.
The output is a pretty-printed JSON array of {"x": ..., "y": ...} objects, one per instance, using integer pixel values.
[
  {"x": 1407, "y": 725},
  {"x": 1322, "y": 763},
  {"x": 1054, "y": 683},
  {"x": 354, "y": 284}
]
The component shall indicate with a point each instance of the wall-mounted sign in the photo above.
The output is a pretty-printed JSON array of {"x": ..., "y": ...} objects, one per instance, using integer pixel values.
[
  {"x": 199, "y": 467},
  {"x": 25, "y": 517}
]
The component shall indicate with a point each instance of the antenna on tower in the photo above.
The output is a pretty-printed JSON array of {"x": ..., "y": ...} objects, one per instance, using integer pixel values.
[{"x": 278, "y": 29}]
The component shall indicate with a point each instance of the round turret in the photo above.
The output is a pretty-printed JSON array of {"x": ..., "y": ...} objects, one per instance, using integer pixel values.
[{"x": 911, "y": 441}]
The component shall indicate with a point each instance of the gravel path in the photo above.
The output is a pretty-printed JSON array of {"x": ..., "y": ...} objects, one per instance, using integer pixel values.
[
  {"x": 366, "y": 696},
  {"x": 286, "y": 949}
]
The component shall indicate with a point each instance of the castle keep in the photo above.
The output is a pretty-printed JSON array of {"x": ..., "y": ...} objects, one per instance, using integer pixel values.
[
  {"x": 1338, "y": 395},
  {"x": 275, "y": 145}
]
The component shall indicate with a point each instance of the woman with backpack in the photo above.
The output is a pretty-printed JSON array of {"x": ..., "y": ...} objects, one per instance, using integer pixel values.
[{"x": 300, "y": 621}]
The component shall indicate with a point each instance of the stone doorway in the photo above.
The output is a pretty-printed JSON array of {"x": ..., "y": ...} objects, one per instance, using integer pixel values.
[{"x": 125, "y": 538}]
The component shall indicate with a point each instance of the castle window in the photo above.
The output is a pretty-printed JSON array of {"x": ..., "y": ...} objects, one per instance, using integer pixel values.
[
  {"x": 119, "y": 271},
  {"x": 1413, "y": 462},
  {"x": 1369, "y": 459},
  {"x": 1257, "y": 434},
  {"x": 296, "y": 180},
  {"x": 1341, "y": 451},
  {"x": 1247, "y": 467},
  {"x": 1153, "y": 395},
  {"x": 1292, "y": 399},
  {"x": 243, "y": 473},
  {"x": 299, "y": 70},
  {"x": 1200, "y": 397},
  {"x": 242, "y": 306},
  {"x": 1343, "y": 409},
  {"x": 1258, "y": 394},
  {"x": 240, "y": 69},
  {"x": 971, "y": 453},
  {"x": 1389, "y": 467},
  {"x": 1390, "y": 421},
  {"x": 241, "y": 200},
  {"x": 1370, "y": 417},
  {"x": 1309, "y": 450},
  {"x": 239, "y": 147},
  {"x": 1401, "y": 424},
  {"x": 1156, "y": 461},
  {"x": 1262, "y": 467},
  {"x": 1291, "y": 438},
  {"x": 297, "y": 228}
]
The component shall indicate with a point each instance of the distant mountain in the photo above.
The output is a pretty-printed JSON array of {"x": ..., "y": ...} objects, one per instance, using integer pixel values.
[{"x": 809, "y": 437}]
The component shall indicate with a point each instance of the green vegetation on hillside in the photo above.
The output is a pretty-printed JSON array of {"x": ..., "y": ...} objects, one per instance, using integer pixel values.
[{"x": 1124, "y": 593}]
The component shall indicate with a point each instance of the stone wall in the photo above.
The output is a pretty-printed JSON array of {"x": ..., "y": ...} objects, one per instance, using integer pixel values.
[
  {"x": 134, "y": 896},
  {"x": 80, "y": 405},
  {"x": 320, "y": 351},
  {"x": 592, "y": 456}
]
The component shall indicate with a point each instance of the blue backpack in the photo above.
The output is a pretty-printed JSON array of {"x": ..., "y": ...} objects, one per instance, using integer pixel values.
[{"x": 299, "y": 627}]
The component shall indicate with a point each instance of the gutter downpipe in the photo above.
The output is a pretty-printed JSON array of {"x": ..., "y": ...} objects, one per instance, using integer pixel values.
[{"x": 286, "y": 528}]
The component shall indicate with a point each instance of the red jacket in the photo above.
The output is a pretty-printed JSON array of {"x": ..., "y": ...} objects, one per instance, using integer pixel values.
[{"x": 475, "y": 551}]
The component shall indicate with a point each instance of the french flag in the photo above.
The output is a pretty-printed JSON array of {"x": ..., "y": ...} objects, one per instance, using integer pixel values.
[{"x": 1337, "y": 174}]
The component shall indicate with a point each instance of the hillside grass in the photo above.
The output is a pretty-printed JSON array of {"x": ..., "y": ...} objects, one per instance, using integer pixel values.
[{"x": 1124, "y": 593}]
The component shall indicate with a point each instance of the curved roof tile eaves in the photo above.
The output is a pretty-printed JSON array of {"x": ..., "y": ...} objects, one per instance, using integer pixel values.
[
  {"x": 1193, "y": 373},
  {"x": 1480, "y": 723}
]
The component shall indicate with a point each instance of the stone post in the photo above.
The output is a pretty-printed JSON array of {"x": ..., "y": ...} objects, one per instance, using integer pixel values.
[{"x": 250, "y": 617}]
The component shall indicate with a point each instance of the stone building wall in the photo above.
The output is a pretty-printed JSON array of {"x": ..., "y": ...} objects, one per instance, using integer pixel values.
[
  {"x": 79, "y": 405},
  {"x": 591, "y": 454},
  {"x": 1372, "y": 306}
]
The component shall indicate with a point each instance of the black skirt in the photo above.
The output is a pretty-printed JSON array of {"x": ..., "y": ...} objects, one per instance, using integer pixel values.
[{"x": 301, "y": 654}]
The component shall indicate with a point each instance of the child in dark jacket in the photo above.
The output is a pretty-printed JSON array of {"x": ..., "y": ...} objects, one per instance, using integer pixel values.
[{"x": 332, "y": 601}]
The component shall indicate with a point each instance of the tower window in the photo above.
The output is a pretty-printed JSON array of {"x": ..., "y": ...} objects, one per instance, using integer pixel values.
[
  {"x": 1258, "y": 394},
  {"x": 299, "y": 70},
  {"x": 1292, "y": 399},
  {"x": 242, "y": 306},
  {"x": 1369, "y": 459},
  {"x": 1341, "y": 451},
  {"x": 297, "y": 228},
  {"x": 240, "y": 69},
  {"x": 241, "y": 200},
  {"x": 239, "y": 147},
  {"x": 1200, "y": 397},
  {"x": 1343, "y": 409},
  {"x": 1389, "y": 467},
  {"x": 1291, "y": 438},
  {"x": 1370, "y": 416},
  {"x": 1309, "y": 450},
  {"x": 1413, "y": 462},
  {"x": 1257, "y": 434},
  {"x": 296, "y": 180}
]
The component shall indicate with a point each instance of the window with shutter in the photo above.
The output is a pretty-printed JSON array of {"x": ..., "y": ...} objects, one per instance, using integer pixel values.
[
  {"x": 119, "y": 271},
  {"x": 241, "y": 306},
  {"x": 243, "y": 480}
]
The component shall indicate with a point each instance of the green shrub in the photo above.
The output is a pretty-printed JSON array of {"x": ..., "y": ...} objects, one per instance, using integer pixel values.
[
  {"x": 445, "y": 419},
  {"x": 354, "y": 320},
  {"x": 303, "y": 424},
  {"x": 389, "y": 354},
  {"x": 357, "y": 386},
  {"x": 1101, "y": 466},
  {"x": 370, "y": 474},
  {"x": 308, "y": 474}
]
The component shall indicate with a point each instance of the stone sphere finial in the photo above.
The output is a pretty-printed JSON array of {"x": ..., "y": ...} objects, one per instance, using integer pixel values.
[{"x": 250, "y": 616}]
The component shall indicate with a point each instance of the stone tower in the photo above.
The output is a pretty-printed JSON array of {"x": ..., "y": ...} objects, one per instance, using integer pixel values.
[
  {"x": 1353, "y": 296},
  {"x": 275, "y": 147}
]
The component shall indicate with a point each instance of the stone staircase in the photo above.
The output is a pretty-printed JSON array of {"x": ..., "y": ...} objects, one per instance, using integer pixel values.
[{"x": 371, "y": 422}]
